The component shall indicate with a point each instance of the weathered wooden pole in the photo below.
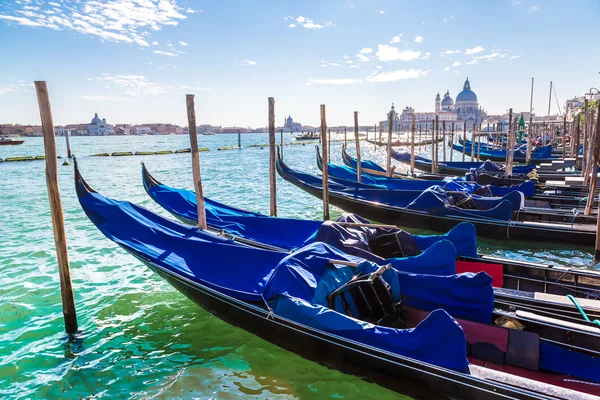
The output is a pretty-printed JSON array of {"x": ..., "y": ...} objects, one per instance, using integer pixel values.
[
  {"x": 437, "y": 136},
  {"x": 464, "y": 141},
  {"x": 593, "y": 170},
  {"x": 281, "y": 142},
  {"x": 420, "y": 135},
  {"x": 584, "y": 136},
  {"x": 56, "y": 210},
  {"x": 574, "y": 137},
  {"x": 389, "y": 144},
  {"x": 240, "y": 138},
  {"x": 589, "y": 159},
  {"x": 549, "y": 104},
  {"x": 329, "y": 143},
  {"x": 564, "y": 138},
  {"x": 444, "y": 144},
  {"x": 272, "y": 176},
  {"x": 68, "y": 144},
  {"x": 529, "y": 140},
  {"x": 432, "y": 147},
  {"x": 473, "y": 142},
  {"x": 509, "y": 146},
  {"x": 325, "y": 164},
  {"x": 479, "y": 142},
  {"x": 357, "y": 139},
  {"x": 452, "y": 142},
  {"x": 412, "y": 144},
  {"x": 192, "y": 130}
]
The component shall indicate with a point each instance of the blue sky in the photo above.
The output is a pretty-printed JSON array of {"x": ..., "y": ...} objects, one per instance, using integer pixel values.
[{"x": 133, "y": 60}]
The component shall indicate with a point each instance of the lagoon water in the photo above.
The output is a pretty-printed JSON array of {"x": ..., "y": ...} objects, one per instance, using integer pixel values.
[{"x": 141, "y": 338}]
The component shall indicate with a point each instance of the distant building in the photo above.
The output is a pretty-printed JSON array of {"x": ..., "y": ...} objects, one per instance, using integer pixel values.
[
  {"x": 99, "y": 127},
  {"x": 290, "y": 126},
  {"x": 234, "y": 129},
  {"x": 142, "y": 130},
  {"x": 465, "y": 109},
  {"x": 60, "y": 131}
]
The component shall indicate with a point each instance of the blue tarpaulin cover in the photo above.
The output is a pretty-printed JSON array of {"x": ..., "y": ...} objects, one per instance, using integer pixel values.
[{"x": 252, "y": 274}]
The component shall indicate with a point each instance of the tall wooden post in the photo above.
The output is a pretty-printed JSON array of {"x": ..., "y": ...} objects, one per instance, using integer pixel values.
[
  {"x": 357, "y": 139},
  {"x": 437, "y": 136},
  {"x": 549, "y": 104},
  {"x": 452, "y": 142},
  {"x": 325, "y": 164},
  {"x": 444, "y": 139},
  {"x": 479, "y": 142},
  {"x": 432, "y": 146},
  {"x": 584, "y": 136},
  {"x": 240, "y": 138},
  {"x": 345, "y": 138},
  {"x": 412, "y": 144},
  {"x": 281, "y": 142},
  {"x": 464, "y": 141},
  {"x": 529, "y": 140},
  {"x": 56, "y": 210},
  {"x": 509, "y": 146},
  {"x": 389, "y": 144},
  {"x": 574, "y": 137},
  {"x": 192, "y": 130},
  {"x": 68, "y": 144},
  {"x": 272, "y": 176},
  {"x": 473, "y": 142},
  {"x": 593, "y": 170},
  {"x": 564, "y": 137},
  {"x": 589, "y": 173},
  {"x": 329, "y": 143}
]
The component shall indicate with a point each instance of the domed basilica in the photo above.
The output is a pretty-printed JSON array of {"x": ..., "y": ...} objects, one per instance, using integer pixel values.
[{"x": 464, "y": 109}]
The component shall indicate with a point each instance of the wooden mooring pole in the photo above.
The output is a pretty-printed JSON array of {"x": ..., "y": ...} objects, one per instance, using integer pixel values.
[
  {"x": 444, "y": 139},
  {"x": 240, "y": 138},
  {"x": 325, "y": 164},
  {"x": 412, "y": 145},
  {"x": 272, "y": 176},
  {"x": 389, "y": 144},
  {"x": 464, "y": 141},
  {"x": 69, "y": 155},
  {"x": 191, "y": 114},
  {"x": 432, "y": 147},
  {"x": 564, "y": 138},
  {"x": 437, "y": 135},
  {"x": 593, "y": 171},
  {"x": 473, "y": 142},
  {"x": 56, "y": 210},
  {"x": 281, "y": 142},
  {"x": 529, "y": 140},
  {"x": 509, "y": 146},
  {"x": 345, "y": 138},
  {"x": 357, "y": 139},
  {"x": 451, "y": 142}
]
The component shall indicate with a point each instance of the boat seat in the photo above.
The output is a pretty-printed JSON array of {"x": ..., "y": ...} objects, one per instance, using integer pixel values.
[
  {"x": 369, "y": 298},
  {"x": 394, "y": 245},
  {"x": 496, "y": 271}
]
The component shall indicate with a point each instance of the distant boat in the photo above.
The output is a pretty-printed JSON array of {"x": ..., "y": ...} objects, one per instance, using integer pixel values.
[
  {"x": 307, "y": 136},
  {"x": 209, "y": 133},
  {"x": 6, "y": 141}
]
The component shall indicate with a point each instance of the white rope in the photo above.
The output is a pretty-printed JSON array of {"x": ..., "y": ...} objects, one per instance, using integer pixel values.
[{"x": 271, "y": 314}]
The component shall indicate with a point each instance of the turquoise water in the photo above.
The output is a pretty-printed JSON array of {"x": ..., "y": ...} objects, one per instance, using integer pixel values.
[{"x": 141, "y": 338}]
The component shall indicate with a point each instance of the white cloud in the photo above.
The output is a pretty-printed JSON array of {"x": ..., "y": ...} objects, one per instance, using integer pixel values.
[
  {"x": 183, "y": 43},
  {"x": 488, "y": 57},
  {"x": 346, "y": 57},
  {"x": 473, "y": 61},
  {"x": 418, "y": 39},
  {"x": 353, "y": 66},
  {"x": 398, "y": 75},
  {"x": 381, "y": 12},
  {"x": 249, "y": 62},
  {"x": 456, "y": 64},
  {"x": 311, "y": 25},
  {"x": 503, "y": 55},
  {"x": 474, "y": 50},
  {"x": 515, "y": 3},
  {"x": 390, "y": 53},
  {"x": 347, "y": 81},
  {"x": 53, "y": 4},
  {"x": 426, "y": 56},
  {"x": 166, "y": 53},
  {"x": 450, "y": 52},
  {"x": 378, "y": 67},
  {"x": 155, "y": 43},
  {"x": 9, "y": 87},
  {"x": 329, "y": 24},
  {"x": 447, "y": 69},
  {"x": 533, "y": 9},
  {"x": 330, "y": 64},
  {"x": 292, "y": 25},
  {"x": 514, "y": 57},
  {"x": 366, "y": 50},
  {"x": 190, "y": 11},
  {"x": 131, "y": 85},
  {"x": 396, "y": 39},
  {"x": 126, "y": 21},
  {"x": 300, "y": 19},
  {"x": 362, "y": 57}
]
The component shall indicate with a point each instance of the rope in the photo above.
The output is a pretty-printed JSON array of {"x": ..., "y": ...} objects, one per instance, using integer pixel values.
[
  {"x": 575, "y": 215},
  {"x": 271, "y": 314},
  {"x": 583, "y": 314},
  {"x": 583, "y": 382}
]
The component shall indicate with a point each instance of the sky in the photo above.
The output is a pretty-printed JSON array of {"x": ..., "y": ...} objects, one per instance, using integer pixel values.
[{"x": 133, "y": 61}]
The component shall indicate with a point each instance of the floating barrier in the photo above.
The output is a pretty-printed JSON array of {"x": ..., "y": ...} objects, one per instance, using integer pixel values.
[
  {"x": 100, "y": 155},
  {"x": 122, "y": 153},
  {"x": 228, "y": 148},
  {"x": 145, "y": 153},
  {"x": 15, "y": 159},
  {"x": 1, "y": 159}
]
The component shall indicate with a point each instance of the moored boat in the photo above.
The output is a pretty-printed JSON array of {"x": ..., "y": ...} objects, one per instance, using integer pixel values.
[{"x": 6, "y": 141}]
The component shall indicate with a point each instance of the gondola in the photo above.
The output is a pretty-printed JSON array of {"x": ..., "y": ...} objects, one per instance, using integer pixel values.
[
  {"x": 344, "y": 174},
  {"x": 312, "y": 313},
  {"x": 510, "y": 274},
  {"x": 500, "y": 155},
  {"x": 488, "y": 224}
]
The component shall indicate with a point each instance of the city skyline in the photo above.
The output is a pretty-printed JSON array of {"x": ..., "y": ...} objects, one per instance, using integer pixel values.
[{"x": 133, "y": 60}]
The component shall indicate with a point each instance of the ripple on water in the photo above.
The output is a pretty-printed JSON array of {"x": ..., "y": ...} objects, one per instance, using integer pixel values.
[{"x": 140, "y": 338}]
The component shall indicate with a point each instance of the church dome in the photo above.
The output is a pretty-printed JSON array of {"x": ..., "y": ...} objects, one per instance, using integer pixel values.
[
  {"x": 289, "y": 119},
  {"x": 96, "y": 120},
  {"x": 467, "y": 94},
  {"x": 447, "y": 100}
]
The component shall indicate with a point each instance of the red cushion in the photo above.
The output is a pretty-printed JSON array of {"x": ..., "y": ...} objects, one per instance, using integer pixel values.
[{"x": 494, "y": 270}]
